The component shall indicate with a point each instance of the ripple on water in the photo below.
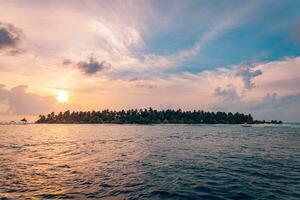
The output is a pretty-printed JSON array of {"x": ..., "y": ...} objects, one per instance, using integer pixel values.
[{"x": 149, "y": 162}]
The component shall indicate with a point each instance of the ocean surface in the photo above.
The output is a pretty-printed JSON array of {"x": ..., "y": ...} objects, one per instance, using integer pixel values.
[{"x": 149, "y": 162}]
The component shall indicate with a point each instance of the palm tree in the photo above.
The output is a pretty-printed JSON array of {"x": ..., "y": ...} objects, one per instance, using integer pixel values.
[{"x": 24, "y": 120}]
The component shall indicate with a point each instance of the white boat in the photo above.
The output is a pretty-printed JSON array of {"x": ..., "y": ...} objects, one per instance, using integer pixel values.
[{"x": 246, "y": 125}]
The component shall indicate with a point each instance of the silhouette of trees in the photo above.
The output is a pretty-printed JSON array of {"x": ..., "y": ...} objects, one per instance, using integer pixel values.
[
  {"x": 24, "y": 120},
  {"x": 148, "y": 116}
]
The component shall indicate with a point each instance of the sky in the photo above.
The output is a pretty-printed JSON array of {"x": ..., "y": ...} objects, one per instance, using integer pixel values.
[{"x": 233, "y": 56}]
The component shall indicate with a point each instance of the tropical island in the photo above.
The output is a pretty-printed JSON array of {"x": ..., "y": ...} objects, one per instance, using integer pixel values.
[{"x": 150, "y": 116}]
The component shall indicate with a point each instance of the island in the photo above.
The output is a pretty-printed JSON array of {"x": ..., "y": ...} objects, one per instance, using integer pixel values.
[{"x": 150, "y": 116}]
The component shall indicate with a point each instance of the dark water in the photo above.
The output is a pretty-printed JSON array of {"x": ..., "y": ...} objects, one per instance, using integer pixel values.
[{"x": 149, "y": 162}]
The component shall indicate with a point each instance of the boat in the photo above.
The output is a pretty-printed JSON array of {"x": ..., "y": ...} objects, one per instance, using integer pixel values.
[{"x": 246, "y": 125}]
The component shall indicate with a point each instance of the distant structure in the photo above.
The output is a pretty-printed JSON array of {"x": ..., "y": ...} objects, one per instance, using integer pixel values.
[{"x": 24, "y": 121}]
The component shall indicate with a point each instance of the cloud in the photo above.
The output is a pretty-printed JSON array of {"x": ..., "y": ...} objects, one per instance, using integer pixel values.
[
  {"x": 92, "y": 66},
  {"x": 247, "y": 73},
  {"x": 20, "y": 102},
  {"x": 228, "y": 94},
  {"x": 273, "y": 107},
  {"x": 121, "y": 31},
  {"x": 296, "y": 32},
  {"x": 227, "y": 99},
  {"x": 267, "y": 100},
  {"x": 10, "y": 38},
  {"x": 145, "y": 85},
  {"x": 141, "y": 83},
  {"x": 133, "y": 79},
  {"x": 213, "y": 32},
  {"x": 269, "y": 107},
  {"x": 67, "y": 62},
  {"x": 228, "y": 21}
]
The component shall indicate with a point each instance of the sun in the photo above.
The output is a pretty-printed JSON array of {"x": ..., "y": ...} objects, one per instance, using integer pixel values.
[{"x": 62, "y": 96}]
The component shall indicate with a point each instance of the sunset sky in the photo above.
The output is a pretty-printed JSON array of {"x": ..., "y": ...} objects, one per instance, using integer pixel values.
[{"x": 91, "y": 55}]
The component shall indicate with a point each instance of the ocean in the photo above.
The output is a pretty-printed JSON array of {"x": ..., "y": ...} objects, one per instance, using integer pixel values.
[{"x": 103, "y": 161}]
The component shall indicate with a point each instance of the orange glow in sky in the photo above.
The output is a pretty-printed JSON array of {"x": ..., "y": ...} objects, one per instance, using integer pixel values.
[{"x": 62, "y": 96}]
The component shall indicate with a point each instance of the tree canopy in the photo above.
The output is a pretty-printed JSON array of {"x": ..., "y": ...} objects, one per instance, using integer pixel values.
[
  {"x": 148, "y": 116},
  {"x": 24, "y": 120}
]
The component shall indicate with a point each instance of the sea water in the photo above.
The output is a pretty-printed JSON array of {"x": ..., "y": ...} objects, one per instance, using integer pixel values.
[{"x": 52, "y": 161}]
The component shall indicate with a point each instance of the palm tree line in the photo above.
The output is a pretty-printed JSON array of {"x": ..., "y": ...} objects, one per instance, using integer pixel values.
[{"x": 149, "y": 116}]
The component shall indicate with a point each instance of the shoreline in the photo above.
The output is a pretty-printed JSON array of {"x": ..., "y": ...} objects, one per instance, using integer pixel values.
[{"x": 7, "y": 123}]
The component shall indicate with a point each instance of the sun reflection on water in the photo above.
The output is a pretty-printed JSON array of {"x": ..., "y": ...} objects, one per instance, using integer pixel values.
[{"x": 122, "y": 161}]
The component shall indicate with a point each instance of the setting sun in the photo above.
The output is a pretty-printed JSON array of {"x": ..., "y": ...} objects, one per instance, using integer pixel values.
[{"x": 62, "y": 96}]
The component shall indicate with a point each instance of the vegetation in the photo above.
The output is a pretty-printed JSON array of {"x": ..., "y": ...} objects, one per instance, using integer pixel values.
[
  {"x": 148, "y": 116},
  {"x": 24, "y": 120}
]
